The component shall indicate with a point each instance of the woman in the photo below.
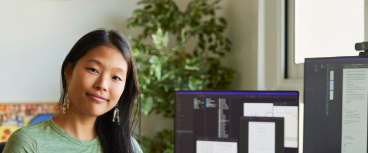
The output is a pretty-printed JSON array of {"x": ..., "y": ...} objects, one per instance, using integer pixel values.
[{"x": 99, "y": 89}]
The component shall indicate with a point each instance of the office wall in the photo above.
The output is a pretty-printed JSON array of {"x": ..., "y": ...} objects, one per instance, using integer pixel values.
[
  {"x": 36, "y": 35},
  {"x": 242, "y": 16}
]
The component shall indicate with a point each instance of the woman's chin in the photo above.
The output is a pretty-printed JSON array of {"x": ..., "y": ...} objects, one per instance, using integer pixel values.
[{"x": 95, "y": 112}]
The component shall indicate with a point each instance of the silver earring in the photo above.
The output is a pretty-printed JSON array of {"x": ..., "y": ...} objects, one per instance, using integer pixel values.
[
  {"x": 66, "y": 101},
  {"x": 116, "y": 115}
]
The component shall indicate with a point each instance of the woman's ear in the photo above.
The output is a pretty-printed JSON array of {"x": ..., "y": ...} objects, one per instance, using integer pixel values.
[{"x": 68, "y": 71}]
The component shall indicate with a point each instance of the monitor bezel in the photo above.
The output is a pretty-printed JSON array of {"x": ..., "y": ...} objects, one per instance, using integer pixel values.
[{"x": 332, "y": 58}]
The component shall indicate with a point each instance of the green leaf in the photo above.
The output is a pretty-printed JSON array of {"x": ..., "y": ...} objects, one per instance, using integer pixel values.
[
  {"x": 146, "y": 104},
  {"x": 227, "y": 48},
  {"x": 154, "y": 59},
  {"x": 148, "y": 7},
  {"x": 165, "y": 76},
  {"x": 192, "y": 83},
  {"x": 165, "y": 39},
  {"x": 216, "y": 2},
  {"x": 228, "y": 41},
  {"x": 222, "y": 54},
  {"x": 195, "y": 52},
  {"x": 210, "y": 40},
  {"x": 196, "y": 68},
  {"x": 182, "y": 35},
  {"x": 138, "y": 59},
  {"x": 157, "y": 70},
  {"x": 201, "y": 45},
  {"x": 135, "y": 51},
  {"x": 223, "y": 21},
  {"x": 195, "y": 83},
  {"x": 212, "y": 12}
]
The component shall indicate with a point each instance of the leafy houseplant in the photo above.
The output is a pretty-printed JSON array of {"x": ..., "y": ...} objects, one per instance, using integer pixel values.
[{"x": 166, "y": 65}]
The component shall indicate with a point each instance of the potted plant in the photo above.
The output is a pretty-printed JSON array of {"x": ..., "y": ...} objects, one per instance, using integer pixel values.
[{"x": 165, "y": 65}]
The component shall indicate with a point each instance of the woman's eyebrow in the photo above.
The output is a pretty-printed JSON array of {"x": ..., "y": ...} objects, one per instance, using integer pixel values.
[
  {"x": 119, "y": 69},
  {"x": 99, "y": 63},
  {"x": 95, "y": 61}
]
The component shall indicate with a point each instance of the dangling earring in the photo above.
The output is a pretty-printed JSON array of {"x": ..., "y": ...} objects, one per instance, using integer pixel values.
[
  {"x": 116, "y": 115},
  {"x": 66, "y": 101}
]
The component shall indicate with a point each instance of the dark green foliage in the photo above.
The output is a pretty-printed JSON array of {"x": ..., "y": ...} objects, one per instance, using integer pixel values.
[
  {"x": 162, "y": 143},
  {"x": 164, "y": 68}
]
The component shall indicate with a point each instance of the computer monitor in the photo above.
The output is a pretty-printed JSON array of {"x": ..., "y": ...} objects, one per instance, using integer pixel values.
[
  {"x": 225, "y": 121},
  {"x": 335, "y": 105}
]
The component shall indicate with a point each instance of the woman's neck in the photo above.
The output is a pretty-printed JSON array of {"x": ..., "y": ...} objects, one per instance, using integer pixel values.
[{"x": 78, "y": 125}]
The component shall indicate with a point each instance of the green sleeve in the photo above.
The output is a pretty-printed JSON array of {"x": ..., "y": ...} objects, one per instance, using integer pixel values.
[
  {"x": 20, "y": 142},
  {"x": 136, "y": 147}
]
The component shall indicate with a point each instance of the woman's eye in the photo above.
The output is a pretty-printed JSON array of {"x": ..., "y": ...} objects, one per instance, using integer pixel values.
[
  {"x": 93, "y": 70},
  {"x": 116, "y": 78}
]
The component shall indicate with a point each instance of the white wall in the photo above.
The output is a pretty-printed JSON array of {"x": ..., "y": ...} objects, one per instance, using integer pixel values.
[
  {"x": 326, "y": 28},
  {"x": 242, "y": 16},
  {"x": 35, "y": 37}
]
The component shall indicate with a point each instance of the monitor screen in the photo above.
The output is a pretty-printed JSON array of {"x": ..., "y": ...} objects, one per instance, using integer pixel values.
[
  {"x": 225, "y": 121},
  {"x": 335, "y": 105}
]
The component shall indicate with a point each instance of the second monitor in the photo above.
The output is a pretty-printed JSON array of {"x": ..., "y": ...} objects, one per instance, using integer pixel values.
[{"x": 225, "y": 121}]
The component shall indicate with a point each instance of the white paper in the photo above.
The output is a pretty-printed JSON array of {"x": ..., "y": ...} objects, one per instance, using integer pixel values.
[
  {"x": 261, "y": 137},
  {"x": 216, "y": 147},
  {"x": 331, "y": 95},
  {"x": 290, "y": 114},
  {"x": 332, "y": 87},
  {"x": 352, "y": 142},
  {"x": 354, "y": 110},
  {"x": 258, "y": 109}
]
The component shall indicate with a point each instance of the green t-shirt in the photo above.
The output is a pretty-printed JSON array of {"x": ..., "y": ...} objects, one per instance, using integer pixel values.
[{"x": 46, "y": 137}]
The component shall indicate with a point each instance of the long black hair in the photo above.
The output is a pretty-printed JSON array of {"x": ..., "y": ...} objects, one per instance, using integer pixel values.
[{"x": 113, "y": 137}]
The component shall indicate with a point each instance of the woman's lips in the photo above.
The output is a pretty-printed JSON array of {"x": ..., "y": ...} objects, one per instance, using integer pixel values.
[{"x": 97, "y": 97}]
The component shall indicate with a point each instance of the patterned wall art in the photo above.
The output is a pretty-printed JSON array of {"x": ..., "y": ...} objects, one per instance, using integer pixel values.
[{"x": 15, "y": 116}]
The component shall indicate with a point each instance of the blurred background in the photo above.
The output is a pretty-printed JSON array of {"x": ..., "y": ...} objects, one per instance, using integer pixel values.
[{"x": 178, "y": 44}]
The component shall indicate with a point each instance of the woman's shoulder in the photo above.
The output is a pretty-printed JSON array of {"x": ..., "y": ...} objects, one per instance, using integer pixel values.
[
  {"x": 21, "y": 140},
  {"x": 136, "y": 147},
  {"x": 28, "y": 133},
  {"x": 30, "y": 130},
  {"x": 33, "y": 129},
  {"x": 23, "y": 132}
]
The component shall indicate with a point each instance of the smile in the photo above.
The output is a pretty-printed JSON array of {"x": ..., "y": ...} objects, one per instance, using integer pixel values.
[{"x": 97, "y": 98}]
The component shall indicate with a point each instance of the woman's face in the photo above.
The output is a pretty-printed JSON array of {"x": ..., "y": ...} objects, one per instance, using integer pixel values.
[{"x": 97, "y": 81}]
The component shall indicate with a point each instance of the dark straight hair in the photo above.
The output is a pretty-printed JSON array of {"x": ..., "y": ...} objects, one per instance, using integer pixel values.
[{"x": 114, "y": 138}]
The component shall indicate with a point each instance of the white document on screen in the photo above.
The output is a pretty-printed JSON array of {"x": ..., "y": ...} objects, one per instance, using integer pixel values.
[
  {"x": 290, "y": 114},
  {"x": 261, "y": 137},
  {"x": 216, "y": 147},
  {"x": 354, "y": 110},
  {"x": 258, "y": 109}
]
